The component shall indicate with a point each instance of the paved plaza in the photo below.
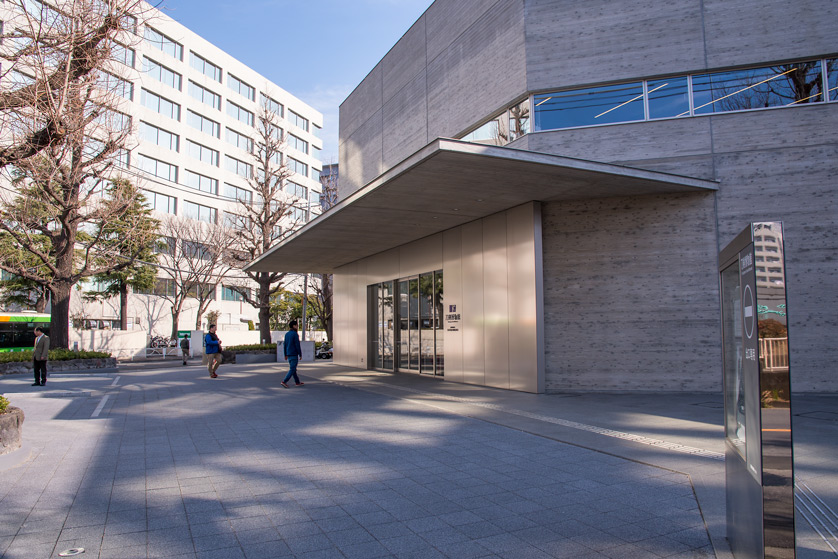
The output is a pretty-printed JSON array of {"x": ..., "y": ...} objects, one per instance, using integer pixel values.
[{"x": 163, "y": 462}]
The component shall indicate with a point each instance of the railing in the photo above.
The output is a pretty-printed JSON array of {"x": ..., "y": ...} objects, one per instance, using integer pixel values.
[
  {"x": 164, "y": 352},
  {"x": 774, "y": 354}
]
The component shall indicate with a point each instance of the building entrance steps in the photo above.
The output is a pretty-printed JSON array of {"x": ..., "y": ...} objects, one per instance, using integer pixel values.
[{"x": 164, "y": 462}]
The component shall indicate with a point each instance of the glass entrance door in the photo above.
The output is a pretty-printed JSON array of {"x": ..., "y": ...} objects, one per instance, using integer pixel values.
[{"x": 405, "y": 325}]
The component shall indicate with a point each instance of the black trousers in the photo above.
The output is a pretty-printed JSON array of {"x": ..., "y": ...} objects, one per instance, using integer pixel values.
[{"x": 40, "y": 369}]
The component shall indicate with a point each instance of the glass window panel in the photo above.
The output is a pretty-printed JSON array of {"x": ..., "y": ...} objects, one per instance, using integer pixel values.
[
  {"x": 387, "y": 323},
  {"x": 200, "y": 182},
  {"x": 204, "y": 95},
  {"x": 439, "y": 329},
  {"x": 160, "y": 104},
  {"x": 488, "y": 133},
  {"x": 413, "y": 310},
  {"x": 832, "y": 78},
  {"x": 235, "y": 193},
  {"x": 202, "y": 153},
  {"x": 519, "y": 120},
  {"x": 157, "y": 168},
  {"x": 668, "y": 98},
  {"x": 203, "y": 124},
  {"x": 426, "y": 323},
  {"x": 404, "y": 321},
  {"x": 758, "y": 88},
  {"x": 199, "y": 212},
  {"x": 589, "y": 107}
]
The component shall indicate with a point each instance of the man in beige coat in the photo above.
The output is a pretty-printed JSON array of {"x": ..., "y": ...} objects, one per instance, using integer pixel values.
[{"x": 40, "y": 356}]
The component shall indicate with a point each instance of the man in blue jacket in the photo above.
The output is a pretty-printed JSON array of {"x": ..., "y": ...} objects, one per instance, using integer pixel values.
[
  {"x": 213, "y": 351},
  {"x": 293, "y": 352}
]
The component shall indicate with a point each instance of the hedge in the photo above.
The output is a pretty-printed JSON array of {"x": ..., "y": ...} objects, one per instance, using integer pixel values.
[
  {"x": 54, "y": 355},
  {"x": 251, "y": 347}
]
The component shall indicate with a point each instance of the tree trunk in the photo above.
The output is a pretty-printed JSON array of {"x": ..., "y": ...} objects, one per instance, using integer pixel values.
[
  {"x": 123, "y": 306},
  {"x": 59, "y": 324},
  {"x": 175, "y": 317},
  {"x": 264, "y": 309}
]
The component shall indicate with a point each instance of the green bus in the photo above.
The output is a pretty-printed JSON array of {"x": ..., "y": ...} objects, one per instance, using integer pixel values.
[{"x": 17, "y": 330}]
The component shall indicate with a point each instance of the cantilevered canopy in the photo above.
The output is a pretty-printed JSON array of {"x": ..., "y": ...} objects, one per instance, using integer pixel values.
[{"x": 448, "y": 183}]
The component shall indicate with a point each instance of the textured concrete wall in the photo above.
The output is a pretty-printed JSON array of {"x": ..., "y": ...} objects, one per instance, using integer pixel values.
[
  {"x": 772, "y": 165},
  {"x": 458, "y": 63},
  {"x": 630, "y": 294}
]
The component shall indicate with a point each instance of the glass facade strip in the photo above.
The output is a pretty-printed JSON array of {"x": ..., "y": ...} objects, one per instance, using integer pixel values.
[{"x": 780, "y": 85}]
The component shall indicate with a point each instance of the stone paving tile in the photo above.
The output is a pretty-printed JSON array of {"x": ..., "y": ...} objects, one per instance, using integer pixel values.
[{"x": 200, "y": 474}]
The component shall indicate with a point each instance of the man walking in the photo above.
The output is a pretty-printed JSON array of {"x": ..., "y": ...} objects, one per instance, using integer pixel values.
[
  {"x": 184, "y": 348},
  {"x": 293, "y": 352},
  {"x": 40, "y": 356},
  {"x": 213, "y": 351}
]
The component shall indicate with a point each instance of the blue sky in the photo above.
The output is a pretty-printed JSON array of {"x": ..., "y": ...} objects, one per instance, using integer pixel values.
[{"x": 317, "y": 50}]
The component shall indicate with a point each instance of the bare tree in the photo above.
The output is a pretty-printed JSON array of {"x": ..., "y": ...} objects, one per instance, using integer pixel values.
[
  {"x": 258, "y": 223},
  {"x": 64, "y": 132},
  {"x": 44, "y": 49},
  {"x": 193, "y": 263}
]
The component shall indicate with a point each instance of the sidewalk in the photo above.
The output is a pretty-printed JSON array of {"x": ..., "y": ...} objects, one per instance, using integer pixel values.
[{"x": 164, "y": 462}]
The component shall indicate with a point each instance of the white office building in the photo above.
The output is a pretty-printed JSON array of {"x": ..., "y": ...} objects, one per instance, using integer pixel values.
[{"x": 193, "y": 109}]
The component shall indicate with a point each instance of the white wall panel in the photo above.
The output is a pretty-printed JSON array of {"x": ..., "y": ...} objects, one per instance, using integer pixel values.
[
  {"x": 452, "y": 265},
  {"x": 496, "y": 301}
]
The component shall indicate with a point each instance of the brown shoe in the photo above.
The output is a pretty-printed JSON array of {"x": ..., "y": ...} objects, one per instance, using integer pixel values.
[{"x": 213, "y": 375}]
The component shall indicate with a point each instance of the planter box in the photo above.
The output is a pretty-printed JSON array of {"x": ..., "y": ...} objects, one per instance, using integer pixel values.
[
  {"x": 245, "y": 357},
  {"x": 11, "y": 426},
  {"x": 25, "y": 367}
]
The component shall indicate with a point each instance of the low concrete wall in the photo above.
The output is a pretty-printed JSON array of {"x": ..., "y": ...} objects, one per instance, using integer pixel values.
[
  {"x": 25, "y": 367},
  {"x": 11, "y": 427},
  {"x": 122, "y": 344}
]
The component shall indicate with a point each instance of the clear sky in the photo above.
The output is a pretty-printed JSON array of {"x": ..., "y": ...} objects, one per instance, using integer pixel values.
[{"x": 317, "y": 50}]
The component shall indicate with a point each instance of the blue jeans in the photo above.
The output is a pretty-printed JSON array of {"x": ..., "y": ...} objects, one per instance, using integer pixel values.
[{"x": 292, "y": 371}]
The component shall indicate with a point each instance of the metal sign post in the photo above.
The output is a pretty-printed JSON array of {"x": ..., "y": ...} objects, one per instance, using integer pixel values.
[{"x": 759, "y": 471}]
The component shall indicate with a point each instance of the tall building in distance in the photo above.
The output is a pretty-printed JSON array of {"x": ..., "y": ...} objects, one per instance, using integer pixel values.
[{"x": 194, "y": 111}]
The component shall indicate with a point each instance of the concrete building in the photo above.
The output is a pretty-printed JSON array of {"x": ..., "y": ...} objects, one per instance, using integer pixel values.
[
  {"x": 602, "y": 154},
  {"x": 195, "y": 109}
]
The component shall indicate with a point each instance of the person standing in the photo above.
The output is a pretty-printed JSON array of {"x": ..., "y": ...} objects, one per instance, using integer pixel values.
[
  {"x": 40, "y": 355},
  {"x": 184, "y": 348},
  {"x": 293, "y": 351},
  {"x": 213, "y": 351}
]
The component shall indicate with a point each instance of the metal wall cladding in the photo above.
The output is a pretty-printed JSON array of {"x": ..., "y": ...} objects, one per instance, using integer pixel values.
[{"x": 492, "y": 274}]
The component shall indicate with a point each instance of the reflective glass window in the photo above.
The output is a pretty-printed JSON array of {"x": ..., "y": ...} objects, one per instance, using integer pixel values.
[
  {"x": 589, "y": 107},
  {"x": 488, "y": 133},
  {"x": 160, "y": 104},
  {"x": 201, "y": 182},
  {"x": 199, "y": 212},
  {"x": 832, "y": 78},
  {"x": 758, "y": 88},
  {"x": 204, "y": 95},
  {"x": 158, "y": 136},
  {"x": 202, "y": 153},
  {"x": 668, "y": 98},
  {"x": 204, "y": 66},
  {"x": 519, "y": 120}
]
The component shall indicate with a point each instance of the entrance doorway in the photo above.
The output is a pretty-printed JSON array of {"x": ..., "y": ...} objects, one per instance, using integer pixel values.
[{"x": 405, "y": 324}]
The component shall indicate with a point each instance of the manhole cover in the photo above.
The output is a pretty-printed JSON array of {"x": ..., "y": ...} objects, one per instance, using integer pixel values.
[{"x": 72, "y": 552}]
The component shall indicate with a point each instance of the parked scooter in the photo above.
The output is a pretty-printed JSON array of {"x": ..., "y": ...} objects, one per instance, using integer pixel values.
[{"x": 324, "y": 351}]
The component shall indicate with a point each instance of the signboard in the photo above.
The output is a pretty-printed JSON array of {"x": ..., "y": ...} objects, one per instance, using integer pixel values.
[{"x": 453, "y": 319}]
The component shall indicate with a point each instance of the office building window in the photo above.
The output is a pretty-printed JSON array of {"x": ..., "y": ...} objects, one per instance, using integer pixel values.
[
  {"x": 297, "y": 143},
  {"x": 202, "y": 153},
  {"x": 297, "y": 120},
  {"x": 158, "y": 136},
  {"x": 314, "y": 201},
  {"x": 240, "y": 113},
  {"x": 115, "y": 120},
  {"x": 239, "y": 194},
  {"x": 239, "y": 140},
  {"x": 161, "y": 202},
  {"x": 160, "y": 104},
  {"x": 315, "y": 174},
  {"x": 238, "y": 167},
  {"x": 229, "y": 294},
  {"x": 204, "y": 66},
  {"x": 200, "y": 182},
  {"x": 109, "y": 83},
  {"x": 164, "y": 43},
  {"x": 164, "y": 287},
  {"x": 241, "y": 87},
  {"x": 316, "y": 130},
  {"x": 315, "y": 151},
  {"x": 236, "y": 221},
  {"x": 297, "y": 166},
  {"x": 161, "y": 73},
  {"x": 202, "y": 123},
  {"x": 157, "y": 168},
  {"x": 272, "y": 105},
  {"x": 199, "y": 212},
  {"x": 204, "y": 95},
  {"x": 297, "y": 214},
  {"x": 297, "y": 190},
  {"x": 121, "y": 53}
]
